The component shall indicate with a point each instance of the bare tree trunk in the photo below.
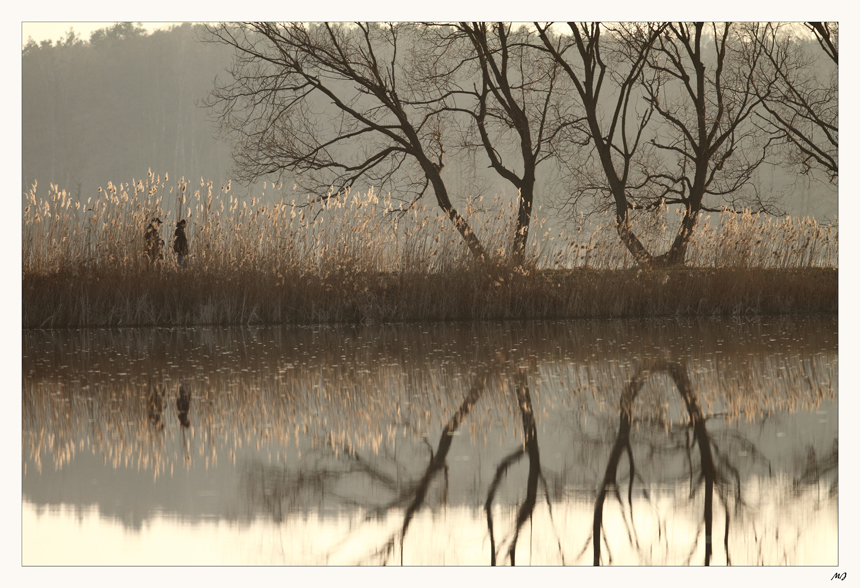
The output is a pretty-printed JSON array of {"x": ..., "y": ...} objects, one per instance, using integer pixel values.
[
  {"x": 631, "y": 241},
  {"x": 524, "y": 216},
  {"x": 677, "y": 253},
  {"x": 453, "y": 215}
]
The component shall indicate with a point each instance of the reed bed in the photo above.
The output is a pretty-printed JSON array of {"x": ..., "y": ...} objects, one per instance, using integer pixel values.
[
  {"x": 727, "y": 240},
  {"x": 363, "y": 257}
]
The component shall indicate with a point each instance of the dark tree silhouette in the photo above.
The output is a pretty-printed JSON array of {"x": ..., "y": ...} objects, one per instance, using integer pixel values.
[
  {"x": 800, "y": 93},
  {"x": 516, "y": 104},
  {"x": 412, "y": 496},
  {"x": 530, "y": 439},
  {"x": 335, "y": 104},
  {"x": 713, "y": 476},
  {"x": 594, "y": 61},
  {"x": 696, "y": 85},
  {"x": 535, "y": 474},
  {"x": 621, "y": 445},
  {"x": 705, "y": 99}
]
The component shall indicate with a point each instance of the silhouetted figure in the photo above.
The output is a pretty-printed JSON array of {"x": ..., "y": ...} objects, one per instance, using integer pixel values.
[
  {"x": 180, "y": 242},
  {"x": 183, "y": 404},
  {"x": 153, "y": 241}
]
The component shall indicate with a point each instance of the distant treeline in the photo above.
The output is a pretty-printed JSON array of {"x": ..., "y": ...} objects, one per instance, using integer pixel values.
[{"x": 114, "y": 106}]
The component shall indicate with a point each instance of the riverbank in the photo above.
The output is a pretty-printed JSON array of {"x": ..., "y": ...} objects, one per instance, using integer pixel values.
[{"x": 87, "y": 297}]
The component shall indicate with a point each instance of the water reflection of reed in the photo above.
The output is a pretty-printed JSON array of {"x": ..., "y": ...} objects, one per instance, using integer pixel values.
[
  {"x": 359, "y": 389},
  {"x": 373, "y": 414}
]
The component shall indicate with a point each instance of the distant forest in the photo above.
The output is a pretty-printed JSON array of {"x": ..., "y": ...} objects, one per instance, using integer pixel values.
[
  {"x": 110, "y": 108},
  {"x": 124, "y": 101}
]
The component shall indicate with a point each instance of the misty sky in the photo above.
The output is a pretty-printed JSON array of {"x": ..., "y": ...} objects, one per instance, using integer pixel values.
[
  {"x": 53, "y": 22},
  {"x": 53, "y": 31}
]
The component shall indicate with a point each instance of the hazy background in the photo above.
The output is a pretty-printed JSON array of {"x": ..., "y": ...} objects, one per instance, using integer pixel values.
[
  {"x": 54, "y": 31},
  {"x": 109, "y": 105}
]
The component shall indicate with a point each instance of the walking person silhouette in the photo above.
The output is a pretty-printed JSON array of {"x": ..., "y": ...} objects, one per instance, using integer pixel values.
[
  {"x": 153, "y": 241},
  {"x": 180, "y": 242}
]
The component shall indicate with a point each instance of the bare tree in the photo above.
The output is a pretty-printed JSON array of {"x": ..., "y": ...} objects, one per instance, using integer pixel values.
[
  {"x": 705, "y": 99},
  {"x": 800, "y": 93},
  {"x": 514, "y": 109},
  {"x": 617, "y": 138},
  {"x": 696, "y": 85},
  {"x": 331, "y": 103}
]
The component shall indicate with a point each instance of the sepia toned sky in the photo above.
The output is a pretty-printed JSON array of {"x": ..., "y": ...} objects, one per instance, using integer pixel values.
[
  {"x": 52, "y": 31},
  {"x": 55, "y": 30}
]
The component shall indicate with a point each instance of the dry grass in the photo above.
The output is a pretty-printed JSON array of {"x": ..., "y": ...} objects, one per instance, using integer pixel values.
[{"x": 362, "y": 257}]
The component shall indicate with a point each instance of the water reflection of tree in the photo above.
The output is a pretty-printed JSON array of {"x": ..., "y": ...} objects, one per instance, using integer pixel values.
[
  {"x": 817, "y": 470},
  {"x": 71, "y": 393},
  {"x": 716, "y": 476},
  {"x": 273, "y": 491},
  {"x": 270, "y": 398},
  {"x": 530, "y": 448},
  {"x": 438, "y": 459},
  {"x": 417, "y": 493}
]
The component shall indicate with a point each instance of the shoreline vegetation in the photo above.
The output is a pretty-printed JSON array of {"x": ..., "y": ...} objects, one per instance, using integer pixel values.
[{"x": 363, "y": 257}]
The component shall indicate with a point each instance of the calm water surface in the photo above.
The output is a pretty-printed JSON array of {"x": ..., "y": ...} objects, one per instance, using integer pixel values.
[{"x": 538, "y": 443}]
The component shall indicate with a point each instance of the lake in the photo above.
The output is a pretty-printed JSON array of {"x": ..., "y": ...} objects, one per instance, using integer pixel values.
[{"x": 624, "y": 443}]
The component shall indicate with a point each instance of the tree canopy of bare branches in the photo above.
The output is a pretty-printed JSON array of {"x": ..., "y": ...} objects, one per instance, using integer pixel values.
[
  {"x": 638, "y": 116},
  {"x": 515, "y": 108},
  {"x": 332, "y": 103},
  {"x": 800, "y": 92},
  {"x": 709, "y": 123},
  {"x": 592, "y": 62},
  {"x": 669, "y": 112}
]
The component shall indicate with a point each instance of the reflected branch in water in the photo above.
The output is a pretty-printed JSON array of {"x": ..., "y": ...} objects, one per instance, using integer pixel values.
[
  {"x": 551, "y": 519},
  {"x": 709, "y": 472},
  {"x": 726, "y": 538},
  {"x": 414, "y": 495},
  {"x": 491, "y": 493},
  {"x": 710, "y": 477},
  {"x": 535, "y": 475},
  {"x": 437, "y": 462},
  {"x": 309, "y": 407},
  {"x": 816, "y": 469},
  {"x": 524, "y": 402},
  {"x": 622, "y": 442}
]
